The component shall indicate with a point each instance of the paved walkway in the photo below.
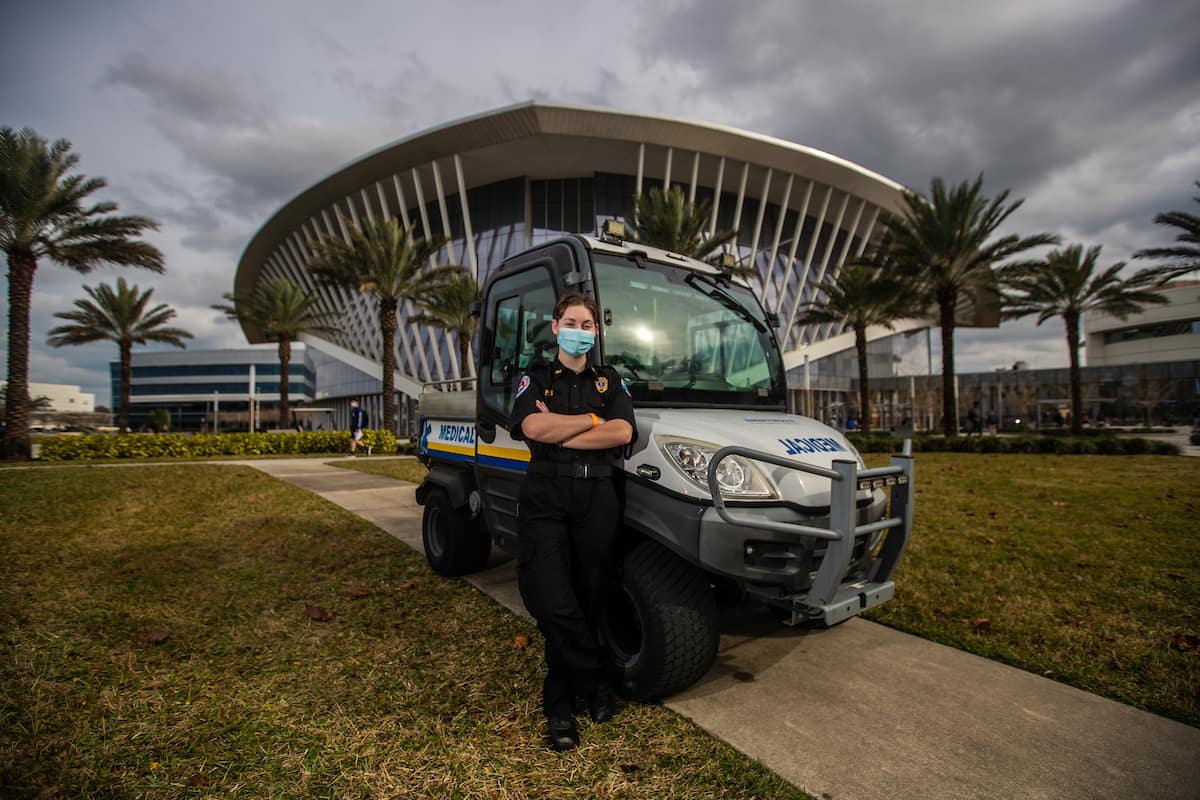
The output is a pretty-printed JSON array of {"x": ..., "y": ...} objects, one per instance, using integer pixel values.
[{"x": 863, "y": 711}]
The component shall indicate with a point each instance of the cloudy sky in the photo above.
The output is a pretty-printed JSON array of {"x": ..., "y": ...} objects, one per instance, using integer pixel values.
[{"x": 210, "y": 115}]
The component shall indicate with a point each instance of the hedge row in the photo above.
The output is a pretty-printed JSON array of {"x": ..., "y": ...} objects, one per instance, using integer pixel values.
[
  {"x": 175, "y": 445},
  {"x": 1105, "y": 444}
]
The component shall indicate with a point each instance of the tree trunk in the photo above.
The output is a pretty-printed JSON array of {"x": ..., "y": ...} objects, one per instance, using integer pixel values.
[
  {"x": 17, "y": 444},
  {"x": 949, "y": 396},
  {"x": 1071, "y": 320},
  {"x": 285, "y": 360},
  {"x": 464, "y": 354},
  {"x": 126, "y": 384},
  {"x": 387, "y": 329},
  {"x": 864, "y": 390}
]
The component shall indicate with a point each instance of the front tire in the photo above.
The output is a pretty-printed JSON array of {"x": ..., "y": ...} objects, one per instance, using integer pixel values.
[
  {"x": 661, "y": 623},
  {"x": 455, "y": 543}
]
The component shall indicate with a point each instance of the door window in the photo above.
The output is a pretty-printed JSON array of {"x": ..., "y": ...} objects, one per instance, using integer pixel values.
[{"x": 520, "y": 309}]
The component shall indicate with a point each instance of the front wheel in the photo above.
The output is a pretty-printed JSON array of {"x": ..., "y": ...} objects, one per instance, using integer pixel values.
[
  {"x": 661, "y": 623},
  {"x": 455, "y": 543}
]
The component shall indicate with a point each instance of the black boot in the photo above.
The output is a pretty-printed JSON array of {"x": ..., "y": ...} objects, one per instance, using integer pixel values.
[
  {"x": 602, "y": 705},
  {"x": 561, "y": 733}
]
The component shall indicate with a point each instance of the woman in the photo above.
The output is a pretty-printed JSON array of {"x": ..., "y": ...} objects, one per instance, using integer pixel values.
[{"x": 575, "y": 418}]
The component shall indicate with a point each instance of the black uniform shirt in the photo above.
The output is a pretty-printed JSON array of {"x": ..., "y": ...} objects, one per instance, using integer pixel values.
[{"x": 596, "y": 390}]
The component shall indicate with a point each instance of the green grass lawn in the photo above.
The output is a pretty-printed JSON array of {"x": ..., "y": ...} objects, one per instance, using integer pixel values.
[
  {"x": 1085, "y": 569},
  {"x": 208, "y": 631},
  {"x": 402, "y": 468},
  {"x": 159, "y": 639}
]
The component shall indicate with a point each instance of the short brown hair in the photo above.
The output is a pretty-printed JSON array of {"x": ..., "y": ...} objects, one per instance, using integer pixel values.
[{"x": 576, "y": 299}]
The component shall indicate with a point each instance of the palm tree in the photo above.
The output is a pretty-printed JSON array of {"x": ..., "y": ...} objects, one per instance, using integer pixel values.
[
  {"x": 863, "y": 294},
  {"x": 1185, "y": 255},
  {"x": 43, "y": 215},
  {"x": 450, "y": 306},
  {"x": 944, "y": 246},
  {"x": 283, "y": 311},
  {"x": 1064, "y": 285},
  {"x": 668, "y": 220},
  {"x": 384, "y": 259},
  {"x": 119, "y": 316}
]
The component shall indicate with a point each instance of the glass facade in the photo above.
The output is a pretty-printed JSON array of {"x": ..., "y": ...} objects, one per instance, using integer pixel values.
[{"x": 191, "y": 385}]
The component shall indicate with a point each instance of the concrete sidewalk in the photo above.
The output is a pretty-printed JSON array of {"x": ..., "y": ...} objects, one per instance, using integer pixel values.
[{"x": 863, "y": 711}]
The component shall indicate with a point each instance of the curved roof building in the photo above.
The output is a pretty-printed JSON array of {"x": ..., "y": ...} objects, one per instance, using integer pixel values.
[{"x": 499, "y": 182}]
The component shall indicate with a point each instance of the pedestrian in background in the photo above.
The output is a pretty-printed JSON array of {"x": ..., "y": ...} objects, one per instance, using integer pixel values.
[{"x": 358, "y": 423}]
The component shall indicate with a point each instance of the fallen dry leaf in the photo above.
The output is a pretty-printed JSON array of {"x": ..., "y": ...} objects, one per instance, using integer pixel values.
[
  {"x": 629, "y": 769},
  {"x": 408, "y": 585},
  {"x": 358, "y": 593},
  {"x": 157, "y": 635},
  {"x": 520, "y": 641},
  {"x": 981, "y": 625},
  {"x": 1185, "y": 642},
  {"x": 317, "y": 613},
  {"x": 199, "y": 780},
  {"x": 1058, "y": 503}
]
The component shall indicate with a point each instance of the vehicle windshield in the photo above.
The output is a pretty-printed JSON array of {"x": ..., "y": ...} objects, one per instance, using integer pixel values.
[{"x": 680, "y": 337}]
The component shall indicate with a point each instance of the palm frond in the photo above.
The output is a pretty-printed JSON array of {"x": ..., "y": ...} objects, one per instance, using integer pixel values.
[
  {"x": 1180, "y": 258},
  {"x": 43, "y": 211},
  {"x": 667, "y": 220},
  {"x": 117, "y": 315}
]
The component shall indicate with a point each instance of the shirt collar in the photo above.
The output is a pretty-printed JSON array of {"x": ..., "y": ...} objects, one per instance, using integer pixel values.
[{"x": 557, "y": 368}]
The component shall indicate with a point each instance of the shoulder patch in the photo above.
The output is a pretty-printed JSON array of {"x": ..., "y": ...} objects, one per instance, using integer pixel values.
[
  {"x": 602, "y": 384},
  {"x": 523, "y": 385}
]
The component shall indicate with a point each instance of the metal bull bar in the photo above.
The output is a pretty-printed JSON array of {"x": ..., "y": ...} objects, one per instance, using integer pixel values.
[{"x": 828, "y": 599}]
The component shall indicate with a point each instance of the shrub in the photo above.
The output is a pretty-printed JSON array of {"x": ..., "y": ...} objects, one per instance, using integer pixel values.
[
  {"x": 1056, "y": 443},
  {"x": 105, "y": 446}
]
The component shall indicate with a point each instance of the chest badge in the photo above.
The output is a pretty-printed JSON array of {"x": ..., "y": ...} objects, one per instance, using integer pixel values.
[{"x": 602, "y": 385}]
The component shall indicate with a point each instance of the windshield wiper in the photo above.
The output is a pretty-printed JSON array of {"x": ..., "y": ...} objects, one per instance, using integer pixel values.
[{"x": 724, "y": 298}]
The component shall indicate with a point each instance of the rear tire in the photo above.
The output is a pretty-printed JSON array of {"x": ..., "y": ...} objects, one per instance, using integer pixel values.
[
  {"x": 455, "y": 543},
  {"x": 661, "y": 623}
]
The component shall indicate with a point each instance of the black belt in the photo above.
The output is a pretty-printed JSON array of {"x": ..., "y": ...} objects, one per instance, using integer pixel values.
[{"x": 574, "y": 470}]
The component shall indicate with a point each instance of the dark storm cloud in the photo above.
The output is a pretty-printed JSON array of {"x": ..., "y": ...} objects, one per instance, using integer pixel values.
[
  {"x": 209, "y": 96},
  {"x": 251, "y": 158},
  {"x": 921, "y": 89}
]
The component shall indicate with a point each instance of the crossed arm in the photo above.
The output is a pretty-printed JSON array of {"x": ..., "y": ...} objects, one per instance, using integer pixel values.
[{"x": 575, "y": 430}]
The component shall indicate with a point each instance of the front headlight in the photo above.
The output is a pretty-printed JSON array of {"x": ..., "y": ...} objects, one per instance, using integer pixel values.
[{"x": 738, "y": 477}]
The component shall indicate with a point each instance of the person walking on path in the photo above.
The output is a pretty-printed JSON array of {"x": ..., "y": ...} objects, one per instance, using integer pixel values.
[
  {"x": 575, "y": 417},
  {"x": 358, "y": 423}
]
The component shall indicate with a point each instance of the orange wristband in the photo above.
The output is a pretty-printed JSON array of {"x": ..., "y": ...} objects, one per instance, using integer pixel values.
[{"x": 595, "y": 420}]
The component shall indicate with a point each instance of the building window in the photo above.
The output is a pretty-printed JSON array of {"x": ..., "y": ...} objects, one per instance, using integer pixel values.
[{"x": 1179, "y": 327}]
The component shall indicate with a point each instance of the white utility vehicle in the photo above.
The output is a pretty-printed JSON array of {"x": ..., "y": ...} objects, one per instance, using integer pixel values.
[{"x": 725, "y": 493}]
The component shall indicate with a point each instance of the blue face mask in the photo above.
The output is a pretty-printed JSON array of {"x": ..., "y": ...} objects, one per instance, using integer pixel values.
[{"x": 575, "y": 342}]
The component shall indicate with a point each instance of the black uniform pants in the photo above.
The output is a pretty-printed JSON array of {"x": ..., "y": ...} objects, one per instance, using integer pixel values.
[{"x": 567, "y": 528}]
